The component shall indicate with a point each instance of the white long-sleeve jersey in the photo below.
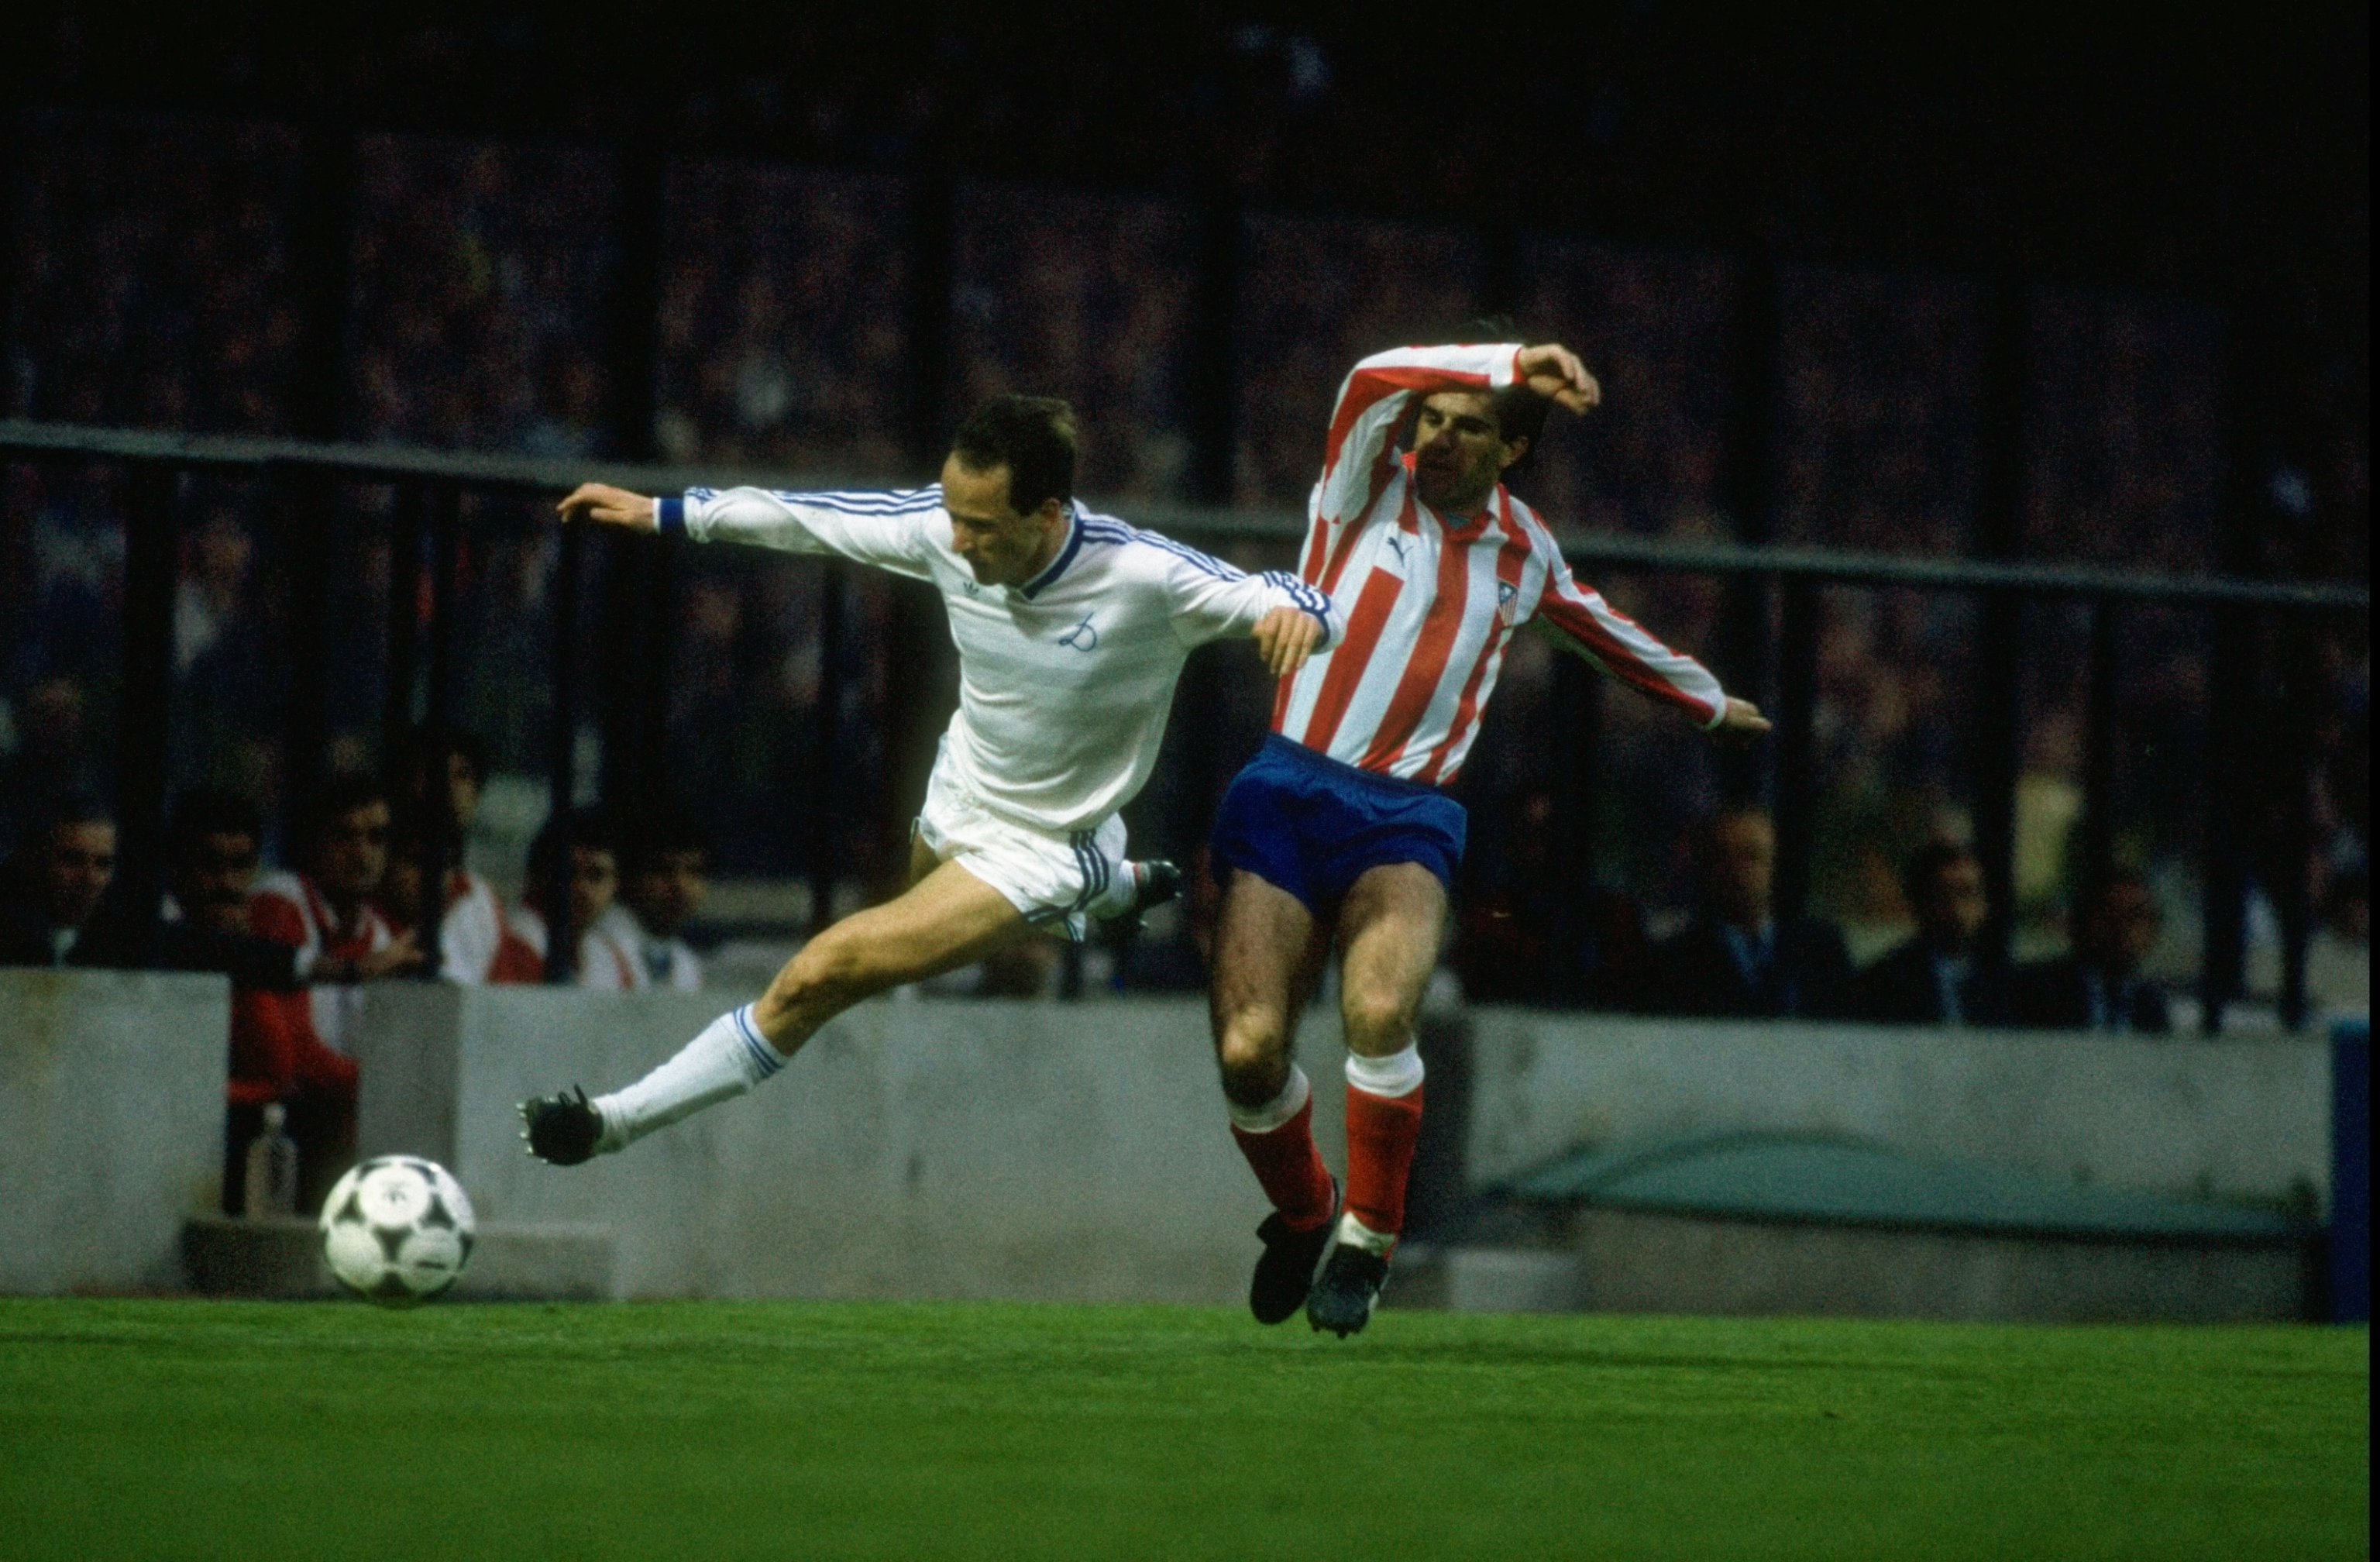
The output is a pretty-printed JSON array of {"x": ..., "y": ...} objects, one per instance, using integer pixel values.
[
  {"x": 1432, "y": 601},
  {"x": 1066, "y": 681}
]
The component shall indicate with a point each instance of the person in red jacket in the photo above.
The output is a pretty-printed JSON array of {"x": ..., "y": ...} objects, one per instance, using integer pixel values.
[{"x": 288, "y": 1046}]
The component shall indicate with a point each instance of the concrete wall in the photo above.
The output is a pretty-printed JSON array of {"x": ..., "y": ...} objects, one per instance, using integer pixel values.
[
  {"x": 995, "y": 1149},
  {"x": 2184, "y": 1116},
  {"x": 915, "y": 1148},
  {"x": 111, "y": 1124}
]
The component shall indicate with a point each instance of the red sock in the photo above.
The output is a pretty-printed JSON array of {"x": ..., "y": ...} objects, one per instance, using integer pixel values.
[
  {"x": 1290, "y": 1168},
  {"x": 1381, "y": 1134}
]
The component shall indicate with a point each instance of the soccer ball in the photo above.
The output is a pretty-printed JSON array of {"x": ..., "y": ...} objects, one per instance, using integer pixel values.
[{"x": 398, "y": 1229}]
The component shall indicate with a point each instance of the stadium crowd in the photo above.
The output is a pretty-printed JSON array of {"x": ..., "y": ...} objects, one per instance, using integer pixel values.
[
  {"x": 355, "y": 903},
  {"x": 153, "y": 287}
]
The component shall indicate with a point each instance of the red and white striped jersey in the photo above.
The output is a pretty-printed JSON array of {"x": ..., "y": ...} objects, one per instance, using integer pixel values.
[
  {"x": 290, "y": 909},
  {"x": 1431, "y": 600}
]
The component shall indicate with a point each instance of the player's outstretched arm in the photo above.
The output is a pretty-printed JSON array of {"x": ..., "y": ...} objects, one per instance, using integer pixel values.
[
  {"x": 610, "y": 506},
  {"x": 883, "y": 527},
  {"x": 1285, "y": 637},
  {"x": 1742, "y": 719}
]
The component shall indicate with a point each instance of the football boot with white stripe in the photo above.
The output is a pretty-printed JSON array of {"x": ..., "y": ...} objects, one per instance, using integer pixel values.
[{"x": 1348, "y": 1289}]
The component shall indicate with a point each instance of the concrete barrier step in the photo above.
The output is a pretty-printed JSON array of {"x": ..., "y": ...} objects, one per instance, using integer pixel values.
[{"x": 559, "y": 1260}]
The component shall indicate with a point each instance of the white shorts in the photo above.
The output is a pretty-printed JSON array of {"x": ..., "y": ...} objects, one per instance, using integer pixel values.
[{"x": 1057, "y": 879}]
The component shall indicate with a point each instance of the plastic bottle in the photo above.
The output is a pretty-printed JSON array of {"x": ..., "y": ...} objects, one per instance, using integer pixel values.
[{"x": 270, "y": 1185}]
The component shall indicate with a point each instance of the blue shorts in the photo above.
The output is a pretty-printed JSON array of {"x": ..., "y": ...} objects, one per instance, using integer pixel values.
[{"x": 1312, "y": 825}]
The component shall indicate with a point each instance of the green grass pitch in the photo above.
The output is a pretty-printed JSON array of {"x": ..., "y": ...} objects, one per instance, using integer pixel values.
[{"x": 190, "y": 1429}]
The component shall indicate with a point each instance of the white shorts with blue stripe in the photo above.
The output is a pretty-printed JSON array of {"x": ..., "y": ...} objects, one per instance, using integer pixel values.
[{"x": 1058, "y": 880}]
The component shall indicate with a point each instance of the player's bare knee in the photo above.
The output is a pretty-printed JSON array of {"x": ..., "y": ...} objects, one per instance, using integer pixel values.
[{"x": 1252, "y": 1051}]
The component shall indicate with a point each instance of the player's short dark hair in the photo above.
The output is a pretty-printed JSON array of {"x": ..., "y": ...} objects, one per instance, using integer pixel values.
[
  {"x": 209, "y": 810},
  {"x": 1926, "y": 865},
  {"x": 1033, "y": 436},
  {"x": 1520, "y": 411}
]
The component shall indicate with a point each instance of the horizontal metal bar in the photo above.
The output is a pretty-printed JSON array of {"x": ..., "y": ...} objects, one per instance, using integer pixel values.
[{"x": 383, "y": 463}]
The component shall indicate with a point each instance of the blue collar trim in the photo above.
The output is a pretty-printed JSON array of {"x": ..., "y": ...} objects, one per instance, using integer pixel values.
[{"x": 1066, "y": 556}]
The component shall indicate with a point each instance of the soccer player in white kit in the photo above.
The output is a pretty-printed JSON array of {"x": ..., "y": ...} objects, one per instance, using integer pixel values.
[
  {"x": 1071, "y": 629},
  {"x": 1338, "y": 832}
]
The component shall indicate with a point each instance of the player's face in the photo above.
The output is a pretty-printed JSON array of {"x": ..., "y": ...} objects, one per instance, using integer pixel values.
[
  {"x": 1458, "y": 451},
  {"x": 1003, "y": 548}
]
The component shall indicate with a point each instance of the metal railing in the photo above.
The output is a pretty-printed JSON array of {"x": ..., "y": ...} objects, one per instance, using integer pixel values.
[{"x": 430, "y": 486}]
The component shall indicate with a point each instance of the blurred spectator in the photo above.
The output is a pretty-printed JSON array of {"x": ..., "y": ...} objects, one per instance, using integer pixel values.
[
  {"x": 664, "y": 867},
  {"x": 1939, "y": 977},
  {"x": 50, "y": 889},
  {"x": 1089, "y": 298},
  {"x": 1734, "y": 958},
  {"x": 1517, "y": 908},
  {"x": 201, "y": 922},
  {"x": 2099, "y": 986},
  {"x": 48, "y": 753},
  {"x": 288, "y": 1046},
  {"x": 591, "y": 878},
  {"x": 439, "y": 779}
]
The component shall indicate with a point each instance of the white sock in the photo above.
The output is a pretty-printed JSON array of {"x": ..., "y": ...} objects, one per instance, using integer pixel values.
[
  {"x": 1279, "y": 1110},
  {"x": 1123, "y": 889},
  {"x": 1399, "y": 1074},
  {"x": 1354, "y": 1233},
  {"x": 728, "y": 1059}
]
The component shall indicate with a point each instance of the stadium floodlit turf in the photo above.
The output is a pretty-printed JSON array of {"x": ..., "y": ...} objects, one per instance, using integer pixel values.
[{"x": 190, "y": 1429}]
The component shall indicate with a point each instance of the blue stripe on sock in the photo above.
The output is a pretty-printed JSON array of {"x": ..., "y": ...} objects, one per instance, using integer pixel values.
[{"x": 767, "y": 1059}]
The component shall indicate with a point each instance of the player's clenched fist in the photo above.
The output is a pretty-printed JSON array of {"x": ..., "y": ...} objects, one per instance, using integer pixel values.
[
  {"x": 1286, "y": 637},
  {"x": 1554, "y": 372},
  {"x": 613, "y": 506}
]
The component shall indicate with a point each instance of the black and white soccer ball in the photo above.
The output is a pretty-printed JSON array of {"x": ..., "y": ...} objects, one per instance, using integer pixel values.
[{"x": 398, "y": 1229}]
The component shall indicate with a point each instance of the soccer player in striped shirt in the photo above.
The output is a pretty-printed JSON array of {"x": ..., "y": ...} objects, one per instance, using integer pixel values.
[
  {"x": 1338, "y": 830},
  {"x": 1071, "y": 629}
]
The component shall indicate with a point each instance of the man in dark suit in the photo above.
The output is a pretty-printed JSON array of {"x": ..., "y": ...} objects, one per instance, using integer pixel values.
[
  {"x": 1940, "y": 977},
  {"x": 1735, "y": 959},
  {"x": 2099, "y": 987}
]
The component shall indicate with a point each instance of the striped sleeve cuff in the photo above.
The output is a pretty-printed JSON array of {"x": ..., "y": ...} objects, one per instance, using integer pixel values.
[{"x": 670, "y": 513}]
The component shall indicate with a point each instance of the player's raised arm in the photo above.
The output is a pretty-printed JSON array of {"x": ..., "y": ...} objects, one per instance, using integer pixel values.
[
  {"x": 887, "y": 528},
  {"x": 1376, "y": 392}
]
